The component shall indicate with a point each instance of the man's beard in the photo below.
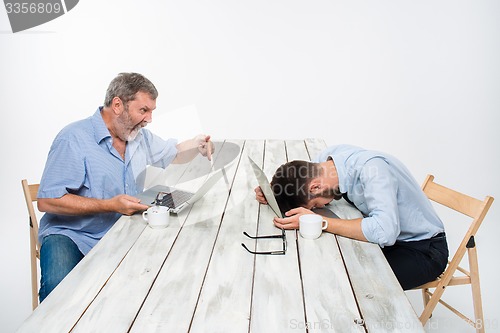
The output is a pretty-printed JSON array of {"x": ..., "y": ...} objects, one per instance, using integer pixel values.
[
  {"x": 332, "y": 194},
  {"x": 134, "y": 132},
  {"x": 128, "y": 133}
]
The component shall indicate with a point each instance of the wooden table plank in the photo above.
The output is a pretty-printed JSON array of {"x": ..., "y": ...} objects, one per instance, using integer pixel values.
[
  {"x": 79, "y": 288},
  {"x": 224, "y": 304},
  {"x": 178, "y": 285},
  {"x": 277, "y": 301},
  {"x": 296, "y": 150},
  {"x": 129, "y": 285},
  {"x": 383, "y": 304},
  {"x": 314, "y": 147},
  {"x": 330, "y": 304}
]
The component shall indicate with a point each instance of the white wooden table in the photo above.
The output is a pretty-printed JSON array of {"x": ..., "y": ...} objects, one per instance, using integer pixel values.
[{"x": 194, "y": 275}]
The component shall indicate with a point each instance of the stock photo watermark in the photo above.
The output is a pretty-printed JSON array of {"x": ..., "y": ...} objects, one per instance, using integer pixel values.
[
  {"x": 293, "y": 179},
  {"x": 28, "y": 14},
  {"x": 442, "y": 324}
]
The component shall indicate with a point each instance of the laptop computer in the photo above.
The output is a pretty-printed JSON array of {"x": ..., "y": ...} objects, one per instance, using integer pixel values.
[
  {"x": 176, "y": 199},
  {"x": 265, "y": 186},
  {"x": 271, "y": 199}
]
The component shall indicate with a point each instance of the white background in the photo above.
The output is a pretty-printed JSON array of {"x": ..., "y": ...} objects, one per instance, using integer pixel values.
[{"x": 417, "y": 79}]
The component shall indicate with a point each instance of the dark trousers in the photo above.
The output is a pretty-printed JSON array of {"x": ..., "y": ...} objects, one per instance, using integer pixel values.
[{"x": 418, "y": 262}]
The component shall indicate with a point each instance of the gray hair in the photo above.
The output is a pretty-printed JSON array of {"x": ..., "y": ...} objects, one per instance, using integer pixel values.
[{"x": 126, "y": 85}]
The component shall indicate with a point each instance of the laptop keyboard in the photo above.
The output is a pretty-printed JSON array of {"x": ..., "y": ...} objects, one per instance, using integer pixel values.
[{"x": 172, "y": 199}]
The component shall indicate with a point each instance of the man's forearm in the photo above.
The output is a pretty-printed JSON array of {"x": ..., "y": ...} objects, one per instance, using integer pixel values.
[
  {"x": 346, "y": 228},
  {"x": 71, "y": 204},
  {"x": 186, "y": 151}
]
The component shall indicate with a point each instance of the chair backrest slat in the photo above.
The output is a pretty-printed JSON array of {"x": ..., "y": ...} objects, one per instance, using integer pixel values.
[
  {"x": 452, "y": 199},
  {"x": 30, "y": 194},
  {"x": 34, "y": 191}
]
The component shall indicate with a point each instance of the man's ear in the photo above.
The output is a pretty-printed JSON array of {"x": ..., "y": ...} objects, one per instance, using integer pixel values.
[
  {"x": 315, "y": 186},
  {"x": 117, "y": 105}
]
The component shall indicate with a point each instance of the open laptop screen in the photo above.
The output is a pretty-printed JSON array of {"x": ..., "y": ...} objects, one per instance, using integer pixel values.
[{"x": 266, "y": 189}]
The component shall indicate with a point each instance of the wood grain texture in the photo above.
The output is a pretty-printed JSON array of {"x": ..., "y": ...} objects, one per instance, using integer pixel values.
[
  {"x": 330, "y": 304},
  {"x": 277, "y": 302},
  {"x": 224, "y": 303},
  {"x": 129, "y": 285},
  {"x": 383, "y": 304},
  {"x": 177, "y": 287},
  {"x": 79, "y": 288}
]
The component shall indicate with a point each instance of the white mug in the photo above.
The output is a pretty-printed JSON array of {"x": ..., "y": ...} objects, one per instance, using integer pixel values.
[
  {"x": 157, "y": 216},
  {"x": 312, "y": 225}
]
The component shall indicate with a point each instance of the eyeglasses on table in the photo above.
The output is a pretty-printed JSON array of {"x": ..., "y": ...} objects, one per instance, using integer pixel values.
[{"x": 282, "y": 236}]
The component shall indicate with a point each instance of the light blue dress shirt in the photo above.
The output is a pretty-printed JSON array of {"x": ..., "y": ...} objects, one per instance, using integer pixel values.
[
  {"x": 82, "y": 161},
  {"x": 381, "y": 187}
]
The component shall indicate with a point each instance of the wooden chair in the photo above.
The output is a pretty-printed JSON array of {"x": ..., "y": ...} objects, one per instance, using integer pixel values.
[
  {"x": 475, "y": 209},
  {"x": 30, "y": 193}
]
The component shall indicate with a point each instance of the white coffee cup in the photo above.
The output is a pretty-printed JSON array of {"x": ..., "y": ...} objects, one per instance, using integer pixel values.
[
  {"x": 157, "y": 216},
  {"x": 312, "y": 225}
]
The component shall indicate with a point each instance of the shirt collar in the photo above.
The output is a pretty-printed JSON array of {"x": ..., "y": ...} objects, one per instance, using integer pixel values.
[
  {"x": 341, "y": 155},
  {"x": 101, "y": 131},
  {"x": 341, "y": 172}
]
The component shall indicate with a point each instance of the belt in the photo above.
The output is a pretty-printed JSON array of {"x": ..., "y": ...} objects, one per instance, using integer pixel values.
[{"x": 440, "y": 235}]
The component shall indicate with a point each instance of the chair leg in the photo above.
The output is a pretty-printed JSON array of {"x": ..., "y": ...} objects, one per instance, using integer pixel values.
[
  {"x": 431, "y": 304},
  {"x": 426, "y": 298},
  {"x": 476, "y": 290},
  {"x": 34, "y": 274}
]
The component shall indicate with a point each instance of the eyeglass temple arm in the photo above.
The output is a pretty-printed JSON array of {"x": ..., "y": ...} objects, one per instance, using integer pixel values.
[
  {"x": 258, "y": 237},
  {"x": 256, "y": 252}
]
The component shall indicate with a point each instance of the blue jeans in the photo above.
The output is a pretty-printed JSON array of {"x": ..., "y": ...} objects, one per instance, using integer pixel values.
[{"x": 58, "y": 256}]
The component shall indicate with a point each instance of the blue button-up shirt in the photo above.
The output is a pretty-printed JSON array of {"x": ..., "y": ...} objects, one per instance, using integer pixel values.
[
  {"x": 82, "y": 161},
  {"x": 382, "y": 188}
]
